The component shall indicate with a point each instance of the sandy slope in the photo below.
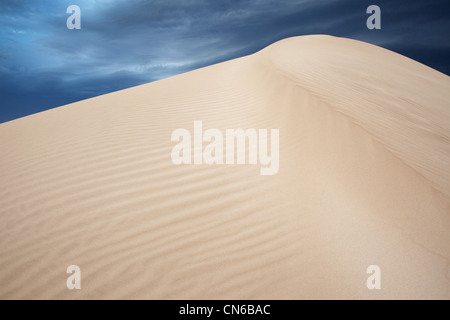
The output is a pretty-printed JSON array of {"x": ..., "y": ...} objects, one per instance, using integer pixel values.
[{"x": 364, "y": 179}]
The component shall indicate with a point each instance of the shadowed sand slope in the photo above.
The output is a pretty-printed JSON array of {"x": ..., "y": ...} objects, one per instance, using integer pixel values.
[{"x": 364, "y": 179}]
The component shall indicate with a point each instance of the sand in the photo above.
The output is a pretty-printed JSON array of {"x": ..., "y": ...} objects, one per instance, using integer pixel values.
[{"x": 364, "y": 179}]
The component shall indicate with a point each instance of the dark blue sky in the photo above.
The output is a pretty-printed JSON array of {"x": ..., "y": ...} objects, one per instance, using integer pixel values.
[{"x": 123, "y": 43}]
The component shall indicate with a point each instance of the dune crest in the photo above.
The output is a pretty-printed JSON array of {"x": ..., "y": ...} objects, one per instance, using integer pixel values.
[
  {"x": 363, "y": 179},
  {"x": 404, "y": 104}
]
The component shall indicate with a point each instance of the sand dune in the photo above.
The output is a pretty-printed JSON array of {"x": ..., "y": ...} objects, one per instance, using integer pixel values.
[{"x": 364, "y": 179}]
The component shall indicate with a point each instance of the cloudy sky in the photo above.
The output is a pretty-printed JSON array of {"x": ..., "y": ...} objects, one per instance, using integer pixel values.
[{"x": 123, "y": 43}]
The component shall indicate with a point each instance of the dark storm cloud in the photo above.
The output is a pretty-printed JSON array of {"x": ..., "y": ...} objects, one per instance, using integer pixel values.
[{"x": 126, "y": 43}]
